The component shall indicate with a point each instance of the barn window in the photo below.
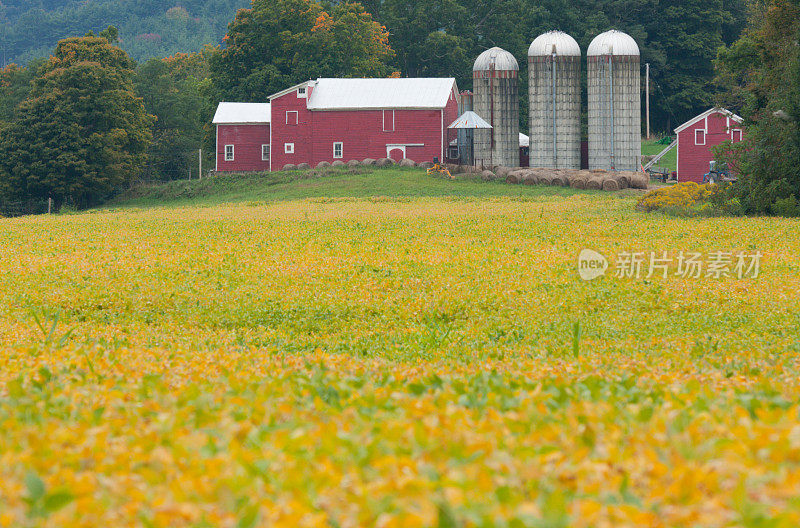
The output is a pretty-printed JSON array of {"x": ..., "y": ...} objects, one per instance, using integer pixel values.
[
  {"x": 288, "y": 148},
  {"x": 338, "y": 150},
  {"x": 264, "y": 152},
  {"x": 699, "y": 137},
  {"x": 388, "y": 120},
  {"x": 291, "y": 117},
  {"x": 736, "y": 135},
  {"x": 453, "y": 153},
  {"x": 228, "y": 152},
  {"x": 301, "y": 92}
]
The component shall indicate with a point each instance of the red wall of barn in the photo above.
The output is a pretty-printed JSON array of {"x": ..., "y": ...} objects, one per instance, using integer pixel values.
[
  {"x": 247, "y": 141},
  {"x": 361, "y": 132},
  {"x": 693, "y": 160}
]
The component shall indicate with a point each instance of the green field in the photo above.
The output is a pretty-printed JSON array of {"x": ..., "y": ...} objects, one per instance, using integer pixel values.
[{"x": 386, "y": 349}]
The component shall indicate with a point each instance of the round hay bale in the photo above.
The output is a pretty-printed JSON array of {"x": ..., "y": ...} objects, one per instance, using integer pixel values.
[
  {"x": 577, "y": 179},
  {"x": 303, "y": 166},
  {"x": 578, "y": 183},
  {"x": 488, "y": 175},
  {"x": 368, "y": 161},
  {"x": 353, "y": 163},
  {"x": 384, "y": 162},
  {"x": 405, "y": 162},
  {"x": 454, "y": 169},
  {"x": 337, "y": 163},
  {"x": 425, "y": 165},
  {"x": 526, "y": 177},
  {"x": 610, "y": 184},
  {"x": 622, "y": 181},
  {"x": 559, "y": 180},
  {"x": 502, "y": 172},
  {"x": 639, "y": 180},
  {"x": 594, "y": 183},
  {"x": 290, "y": 166},
  {"x": 513, "y": 178},
  {"x": 323, "y": 165},
  {"x": 545, "y": 178}
]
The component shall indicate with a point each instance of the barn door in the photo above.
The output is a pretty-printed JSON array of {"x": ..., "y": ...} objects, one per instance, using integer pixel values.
[{"x": 395, "y": 152}]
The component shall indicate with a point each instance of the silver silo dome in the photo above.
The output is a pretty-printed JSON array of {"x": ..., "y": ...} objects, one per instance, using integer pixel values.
[
  {"x": 496, "y": 99},
  {"x": 615, "y": 114},
  {"x": 554, "y": 90}
]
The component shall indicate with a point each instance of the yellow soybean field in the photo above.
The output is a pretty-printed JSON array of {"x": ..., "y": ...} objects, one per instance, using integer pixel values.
[{"x": 395, "y": 362}]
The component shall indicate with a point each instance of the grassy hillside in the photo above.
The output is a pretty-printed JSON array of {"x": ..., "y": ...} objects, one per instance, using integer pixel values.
[
  {"x": 428, "y": 359},
  {"x": 652, "y": 148},
  {"x": 334, "y": 183}
]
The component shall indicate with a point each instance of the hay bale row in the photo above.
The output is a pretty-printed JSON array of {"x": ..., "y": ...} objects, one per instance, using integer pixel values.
[{"x": 577, "y": 179}]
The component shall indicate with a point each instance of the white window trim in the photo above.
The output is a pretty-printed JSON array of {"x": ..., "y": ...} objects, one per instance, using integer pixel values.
[
  {"x": 704, "y": 136},
  {"x": 383, "y": 113},
  {"x": 233, "y": 153},
  {"x": 733, "y": 134},
  {"x": 269, "y": 152},
  {"x": 288, "y": 148},
  {"x": 297, "y": 117},
  {"x": 341, "y": 153},
  {"x": 302, "y": 92}
]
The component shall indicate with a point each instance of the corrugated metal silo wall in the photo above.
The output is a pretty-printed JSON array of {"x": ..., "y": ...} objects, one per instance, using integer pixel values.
[
  {"x": 625, "y": 114},
  {"x": 498, "y": 104},
  {"x": 567, "y": 119}
]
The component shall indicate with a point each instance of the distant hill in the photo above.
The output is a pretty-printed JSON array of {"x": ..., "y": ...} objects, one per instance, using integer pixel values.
[{"x": 148, "y": 28}]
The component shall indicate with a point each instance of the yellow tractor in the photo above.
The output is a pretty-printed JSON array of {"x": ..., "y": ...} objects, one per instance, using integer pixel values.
[{"x": 439, "y": 169}]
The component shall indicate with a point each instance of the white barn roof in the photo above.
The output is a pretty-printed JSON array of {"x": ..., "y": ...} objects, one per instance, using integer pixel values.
[
  {"x": 375, "y": 94},
  {"x": 242, "y": 113},
  {"x": 716, "y": 110}
]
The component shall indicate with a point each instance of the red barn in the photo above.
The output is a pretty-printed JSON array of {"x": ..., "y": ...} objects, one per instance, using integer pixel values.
[
  {"x": 346, "y": 119},
  {"x": 243, "y": 134},
  {"x": 698, "y": 135}
]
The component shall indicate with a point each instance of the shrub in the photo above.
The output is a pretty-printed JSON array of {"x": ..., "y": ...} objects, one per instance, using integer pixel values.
[
  {"x": 788, "y": 207},
  {"x": 681, "y": 195}
]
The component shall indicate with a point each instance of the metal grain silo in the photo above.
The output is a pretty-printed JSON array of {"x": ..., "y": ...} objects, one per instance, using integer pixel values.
[
  {"x": 554, "y": 90},
  {"x": 615, "y": 115},
  {"x": 496, "y": 99}
]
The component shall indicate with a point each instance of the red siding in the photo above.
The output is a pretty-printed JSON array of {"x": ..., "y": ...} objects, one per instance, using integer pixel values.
[
  {"x": 693, "y": 160},
  {"x": 247, "y": 141},
  {"x": 421, "y": 132}
]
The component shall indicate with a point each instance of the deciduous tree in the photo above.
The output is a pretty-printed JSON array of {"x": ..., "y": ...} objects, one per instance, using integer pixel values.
[{"x": 82, "y": 132}]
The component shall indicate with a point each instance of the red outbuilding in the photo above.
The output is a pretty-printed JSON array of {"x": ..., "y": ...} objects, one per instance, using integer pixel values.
[
  {"x": 243, "y": 134},
  {"x": 354, "y": 119},
  {"x": 698, "y": 135}
]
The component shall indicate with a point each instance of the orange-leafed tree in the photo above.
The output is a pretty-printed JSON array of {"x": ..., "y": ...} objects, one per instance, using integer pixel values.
[{"x": 278, "y": 43}]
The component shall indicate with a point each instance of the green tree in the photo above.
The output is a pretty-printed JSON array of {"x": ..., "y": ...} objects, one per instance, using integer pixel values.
[
  {"x": 173, "y": 90},
  {"x": 761, "y": 72},
  {"x": 278, "y": 43},
  {"x": 82, "y": 133}
]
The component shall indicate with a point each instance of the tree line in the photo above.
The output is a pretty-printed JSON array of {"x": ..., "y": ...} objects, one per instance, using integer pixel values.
[{"x": 147, "y": 119}]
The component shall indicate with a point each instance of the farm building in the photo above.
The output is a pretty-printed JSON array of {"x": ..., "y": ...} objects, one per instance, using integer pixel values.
[
  {"x": 345, "y": 119},
  {"x": 698, "y": 135},
  {"x": 243, "y": 133}
]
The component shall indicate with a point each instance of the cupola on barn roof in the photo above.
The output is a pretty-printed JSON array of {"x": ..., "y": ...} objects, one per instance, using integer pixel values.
[
  {"x": 500, "y": 58},
  {"x": 564, "y": 45},
  {"x": 613, "y": 43}
]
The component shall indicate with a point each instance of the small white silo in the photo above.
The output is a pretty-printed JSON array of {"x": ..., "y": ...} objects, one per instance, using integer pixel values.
[
  {"x": 496, "y": 100},
  {"x": 614, "y": 100},
  {"x": 554, "y": 90}
]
